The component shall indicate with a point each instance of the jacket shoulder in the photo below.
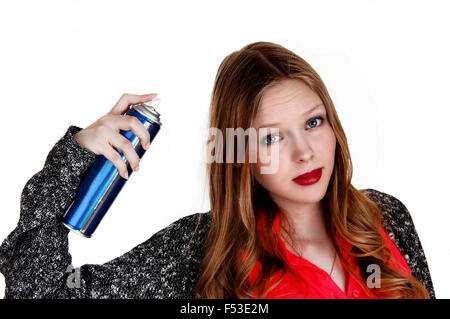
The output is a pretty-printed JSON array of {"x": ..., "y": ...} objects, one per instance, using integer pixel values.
[
  {"x": 389, "y": 205},
  {"x": 396, "y": 218}
]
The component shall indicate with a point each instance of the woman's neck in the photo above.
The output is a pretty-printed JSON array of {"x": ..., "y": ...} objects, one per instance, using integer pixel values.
[{"x": 306, "y": 225}]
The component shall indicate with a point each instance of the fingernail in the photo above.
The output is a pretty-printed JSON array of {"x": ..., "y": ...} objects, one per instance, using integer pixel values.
[
  {"x": 136, "y": 168},
  {"x": 148, "y": 96},
  {"x": 147, "y": 146},
  {"x": 126, "y": 175}
]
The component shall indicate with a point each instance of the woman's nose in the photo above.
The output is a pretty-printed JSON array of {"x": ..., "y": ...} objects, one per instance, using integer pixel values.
[{"x": 301, "y": 150}]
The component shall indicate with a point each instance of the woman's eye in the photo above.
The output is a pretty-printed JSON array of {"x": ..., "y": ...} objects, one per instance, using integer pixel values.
[
  {"x": 269, "y": 139},
  {"x": 314, "y": 120}
]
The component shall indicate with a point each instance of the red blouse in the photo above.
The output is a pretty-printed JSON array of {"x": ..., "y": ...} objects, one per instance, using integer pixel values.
[{"x": 320, "y": 283}]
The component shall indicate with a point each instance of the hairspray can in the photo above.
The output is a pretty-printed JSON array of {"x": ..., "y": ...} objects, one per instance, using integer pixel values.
[{"x": 103, "y": 183}]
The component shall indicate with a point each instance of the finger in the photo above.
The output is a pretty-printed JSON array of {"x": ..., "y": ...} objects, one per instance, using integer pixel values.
[
  {"x": 129, "y": 99},
  {"x": 124, "y": 145},
  {"x": 111, "y": 154},
  {"x": 128, "y": 122}
]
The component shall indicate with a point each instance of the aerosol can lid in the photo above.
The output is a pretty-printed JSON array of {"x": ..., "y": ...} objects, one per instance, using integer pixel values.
[{"x": 149, "y": 109}]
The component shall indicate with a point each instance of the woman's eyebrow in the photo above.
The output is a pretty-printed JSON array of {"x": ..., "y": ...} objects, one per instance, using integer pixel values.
[{"x": 304, "y": 114}]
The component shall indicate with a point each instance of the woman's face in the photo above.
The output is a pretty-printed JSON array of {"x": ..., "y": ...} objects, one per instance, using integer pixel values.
[{"x": 305, "y": 141}]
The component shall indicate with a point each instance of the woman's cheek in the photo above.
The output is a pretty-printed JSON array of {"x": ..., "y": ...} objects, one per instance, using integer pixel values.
[{"x": 329, "y": 148}]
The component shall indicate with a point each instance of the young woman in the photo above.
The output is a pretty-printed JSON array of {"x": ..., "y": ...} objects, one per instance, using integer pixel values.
[{"x": 267, "y": 235}]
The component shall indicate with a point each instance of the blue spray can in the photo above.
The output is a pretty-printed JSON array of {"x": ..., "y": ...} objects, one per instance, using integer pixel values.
[{"x": 103, "y": 183}]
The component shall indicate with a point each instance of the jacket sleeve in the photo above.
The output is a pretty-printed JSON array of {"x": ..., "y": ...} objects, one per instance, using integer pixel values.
[
  {"x": 398, "y": 223},
  {"x": 35, "y": 260}
]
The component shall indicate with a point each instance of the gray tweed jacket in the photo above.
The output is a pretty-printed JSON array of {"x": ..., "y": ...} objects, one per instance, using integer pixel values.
[{"x": 34, "y": 258}]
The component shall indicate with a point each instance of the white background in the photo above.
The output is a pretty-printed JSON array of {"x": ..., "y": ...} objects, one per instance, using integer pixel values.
[{"x": 66, "y": 63}]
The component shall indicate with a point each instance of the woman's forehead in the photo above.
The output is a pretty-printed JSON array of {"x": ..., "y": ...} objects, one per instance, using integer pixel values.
[{"x": 290, "y": 98}]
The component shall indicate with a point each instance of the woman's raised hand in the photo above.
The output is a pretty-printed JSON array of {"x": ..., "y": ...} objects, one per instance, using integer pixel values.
[{"x": 103, "y": 134}]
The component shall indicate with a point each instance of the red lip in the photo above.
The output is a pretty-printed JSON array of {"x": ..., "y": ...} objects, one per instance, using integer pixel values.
[{"x": 309, "y": 178}]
